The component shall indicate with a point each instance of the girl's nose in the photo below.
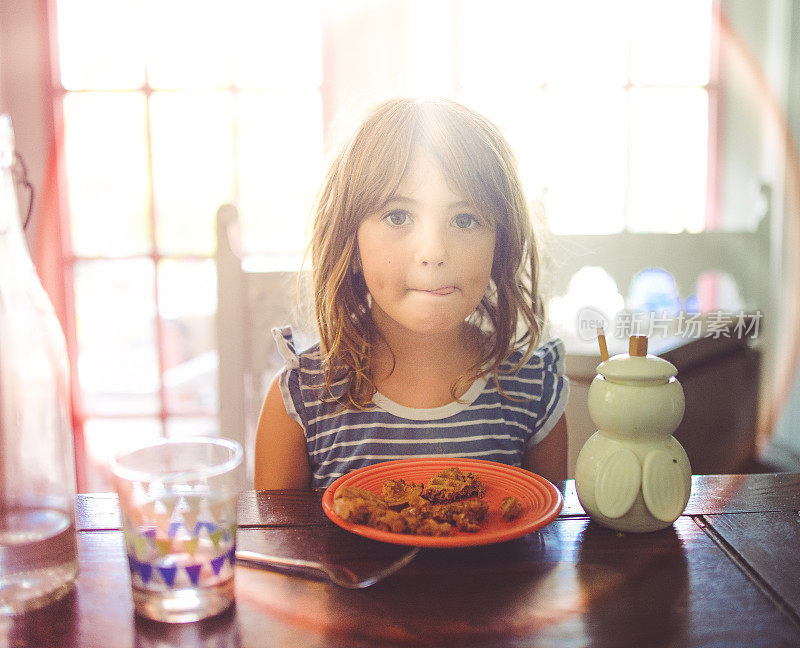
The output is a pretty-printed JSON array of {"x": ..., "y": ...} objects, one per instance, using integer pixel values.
[{"x": 431, "y": 248}]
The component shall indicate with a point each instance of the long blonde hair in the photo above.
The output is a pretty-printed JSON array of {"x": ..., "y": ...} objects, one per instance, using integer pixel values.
[{"x": 477, "y": 160}]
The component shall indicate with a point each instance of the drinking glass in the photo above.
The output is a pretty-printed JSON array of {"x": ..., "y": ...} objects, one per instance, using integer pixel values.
[{"x": 178, "y": 500}]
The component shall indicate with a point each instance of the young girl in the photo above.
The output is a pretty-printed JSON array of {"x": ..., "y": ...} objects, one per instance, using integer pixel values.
[{"x": 426, "y": 290}]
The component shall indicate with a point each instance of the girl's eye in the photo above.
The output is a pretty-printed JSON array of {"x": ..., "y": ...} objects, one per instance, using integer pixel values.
[
  {"x": 397, "y": 218},
  {"x": 466, "y": 221}
]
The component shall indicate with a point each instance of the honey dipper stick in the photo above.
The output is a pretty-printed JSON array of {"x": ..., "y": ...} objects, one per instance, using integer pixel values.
[
  {"x": 601, "y": 340},
  {"x": 637, "y": 346}
]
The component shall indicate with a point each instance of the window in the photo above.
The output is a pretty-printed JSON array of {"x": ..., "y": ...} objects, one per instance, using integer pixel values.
[
  {"x": 609, "y": 118},
  {"x": 172, "y": 107}
]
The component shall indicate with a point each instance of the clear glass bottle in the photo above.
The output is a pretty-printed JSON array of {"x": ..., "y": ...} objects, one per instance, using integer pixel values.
[{"x": 38, "y": 550}]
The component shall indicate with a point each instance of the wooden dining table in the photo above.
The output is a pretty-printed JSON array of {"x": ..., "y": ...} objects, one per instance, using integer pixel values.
[{"x": 726, "y": 573}]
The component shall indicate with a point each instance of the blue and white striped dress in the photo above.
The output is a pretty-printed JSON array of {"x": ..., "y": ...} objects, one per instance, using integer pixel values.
[{"x": 486, "y": 425}]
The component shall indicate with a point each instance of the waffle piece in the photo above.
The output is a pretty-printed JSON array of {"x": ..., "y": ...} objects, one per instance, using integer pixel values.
[{"x": 453, "y": 484}]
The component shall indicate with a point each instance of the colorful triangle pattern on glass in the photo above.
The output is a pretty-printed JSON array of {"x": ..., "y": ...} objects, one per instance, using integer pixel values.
[
  {"x": 208, "y": 526},
  {"x": 217, "y": 563},
  {"x": 168, "y": 574},
  {"x": 140, "y": 546},
  {"x": 163, "y": 546},
  {"x": 190, "y": 546},
  {"x": 145, "y": 570},
  {"x": 182, "y": 527},
  {"x": 173, "y": 528},
  {"x": 194, "y": 572}
]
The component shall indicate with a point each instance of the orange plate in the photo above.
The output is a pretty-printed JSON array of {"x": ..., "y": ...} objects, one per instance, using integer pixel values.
[{"x": 541, "y": 500}]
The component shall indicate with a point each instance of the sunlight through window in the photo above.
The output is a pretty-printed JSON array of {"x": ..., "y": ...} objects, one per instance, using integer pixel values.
[{"x": 172, "y": 107}]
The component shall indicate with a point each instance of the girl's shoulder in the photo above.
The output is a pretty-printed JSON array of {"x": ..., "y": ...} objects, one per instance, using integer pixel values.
[{"x": 549, "y": 358}]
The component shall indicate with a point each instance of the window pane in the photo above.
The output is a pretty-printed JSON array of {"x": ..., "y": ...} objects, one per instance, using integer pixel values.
[
  {"x": 187, "y": 293},
  {"x": 585, "y": 153},
  {"x": 489, "y": 40},
  {"x": 581, "y": 41},
  {"x": 192, "y": 139},
  {"x": 117, "y": 359},
  {"x": 669, "y": 150},
  {"x": 571, "y": 158},
  {"x": 671, "y": 42},
  {"x": 105, "y": 437},
  {"x": 586, "y": 42},
  {"x": 189, "y": 44},
  {"x": 108, "y": 201},
  {"x": 429, "y": 48},
  {"x": 100, "y": 44},
  {"x": 278, "y": 45},
  {"x": 280, "y": 167}
]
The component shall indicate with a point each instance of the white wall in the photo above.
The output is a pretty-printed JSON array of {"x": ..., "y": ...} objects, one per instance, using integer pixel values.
[{"x": 784, "y": 450}]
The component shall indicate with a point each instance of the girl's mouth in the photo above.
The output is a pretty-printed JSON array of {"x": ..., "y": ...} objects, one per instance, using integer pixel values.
[{"x": 444, "y": 290}]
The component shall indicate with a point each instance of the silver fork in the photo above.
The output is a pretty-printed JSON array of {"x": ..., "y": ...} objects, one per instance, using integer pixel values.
[{"x": 341, "y": 576}]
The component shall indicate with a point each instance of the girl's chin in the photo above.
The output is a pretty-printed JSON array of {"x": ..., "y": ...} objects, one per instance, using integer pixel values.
[
  {"x": 423, "y": 316},
  {"x": 433, "y": 326}
]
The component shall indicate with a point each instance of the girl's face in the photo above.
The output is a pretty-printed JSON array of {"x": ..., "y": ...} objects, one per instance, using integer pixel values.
[{"x": 426, "y": 255}]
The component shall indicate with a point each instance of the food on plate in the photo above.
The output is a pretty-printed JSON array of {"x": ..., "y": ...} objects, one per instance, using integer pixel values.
[
  {"x": 358, "y": 505},
  {"x": 465, "y": 515},
  {"x": 388, "y": 520},
  {"x": 428, "y": 526},
  {"x": 452, "y": 499},
  {"x": 397, "y": 493},
  {"x": 452, "y": 484},
  {"x": 510, "y": 508},
  {"x": 361, "y": 506}
]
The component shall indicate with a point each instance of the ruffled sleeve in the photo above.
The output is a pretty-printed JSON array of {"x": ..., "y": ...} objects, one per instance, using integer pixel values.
[
  {"x": 550, "y": 360},
  {"x": 289, "y": 377}
]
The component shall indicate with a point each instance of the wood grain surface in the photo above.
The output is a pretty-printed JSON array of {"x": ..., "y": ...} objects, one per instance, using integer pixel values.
[
  {"x": 768, "y": 544},
  {"x": 723, "y": 575}
]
